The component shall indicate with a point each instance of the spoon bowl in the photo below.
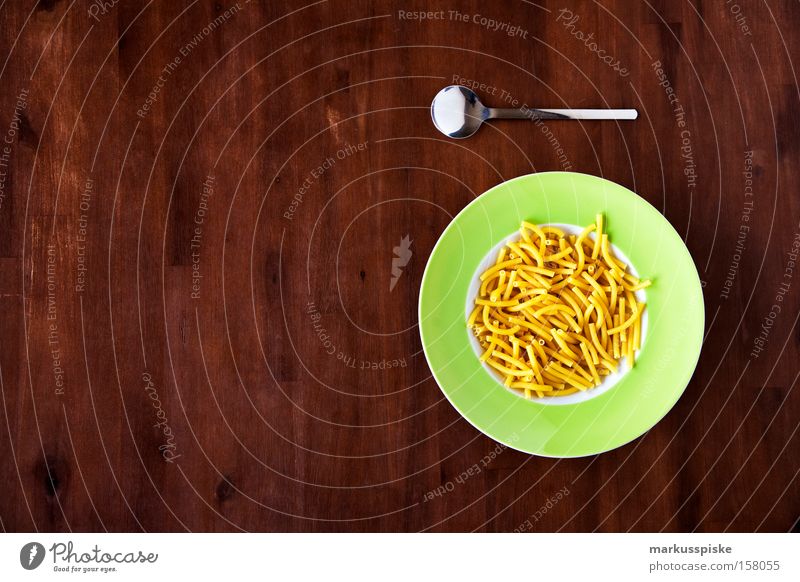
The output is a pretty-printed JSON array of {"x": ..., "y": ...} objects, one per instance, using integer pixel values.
[{"x": 457, "y": 112}]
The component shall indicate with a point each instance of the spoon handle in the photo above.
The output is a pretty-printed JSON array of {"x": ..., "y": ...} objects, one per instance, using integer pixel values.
[{"x": 533, "y": 114}]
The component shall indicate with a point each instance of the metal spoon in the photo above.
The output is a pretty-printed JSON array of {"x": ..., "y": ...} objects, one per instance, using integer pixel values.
[{"x": 457, "y": 112}]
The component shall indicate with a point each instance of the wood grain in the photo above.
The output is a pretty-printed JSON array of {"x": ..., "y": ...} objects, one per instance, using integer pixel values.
[{"x": 200, "y": 202}]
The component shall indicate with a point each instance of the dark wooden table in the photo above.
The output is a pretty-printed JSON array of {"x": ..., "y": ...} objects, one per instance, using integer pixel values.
[{"x": 205, "y": 325}]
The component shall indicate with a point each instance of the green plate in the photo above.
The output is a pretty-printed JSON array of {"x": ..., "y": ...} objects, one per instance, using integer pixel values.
[{"x": 671, "y": 344}]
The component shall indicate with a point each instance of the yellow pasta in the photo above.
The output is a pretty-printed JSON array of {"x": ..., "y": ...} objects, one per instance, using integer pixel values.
[{"x": 556, "y": 313}]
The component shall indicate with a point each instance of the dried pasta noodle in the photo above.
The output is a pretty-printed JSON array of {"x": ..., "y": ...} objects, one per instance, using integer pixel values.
[{"x": 556, "y": 313}]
